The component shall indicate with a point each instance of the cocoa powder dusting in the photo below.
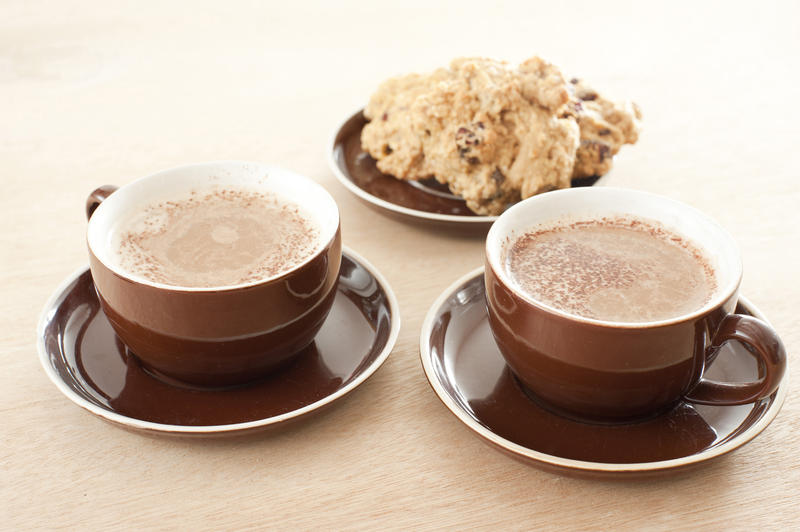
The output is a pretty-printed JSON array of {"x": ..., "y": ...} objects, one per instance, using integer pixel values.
[
  {"x": 615, "y": 269},
  {"x": 217, "y": 237}
]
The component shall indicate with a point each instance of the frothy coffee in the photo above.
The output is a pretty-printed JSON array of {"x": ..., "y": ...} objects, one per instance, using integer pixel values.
[
  {"x": 215, "y": 237},
  {"x": 622, "y": 270}
]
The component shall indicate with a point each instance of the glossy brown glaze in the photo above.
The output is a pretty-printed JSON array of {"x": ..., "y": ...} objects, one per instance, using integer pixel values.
[
  {"x": 360, "y": 168},
  {"x": 94, "y": 363},
  {"x": 468, "y": 371},
  {"x": 764, "y": 341},
  {"x": 604, "y": 371},
  {"x": 218, "y": 338},
  {"x": 96, "y": 198}
]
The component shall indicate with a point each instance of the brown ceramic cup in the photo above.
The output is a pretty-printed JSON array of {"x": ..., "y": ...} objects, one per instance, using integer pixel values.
[
  {"x": 600, "y": 370},
  {"x": 216, "y": 336}
]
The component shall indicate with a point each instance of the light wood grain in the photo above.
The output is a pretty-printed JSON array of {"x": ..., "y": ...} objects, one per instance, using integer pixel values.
[{"x": 94, "y": 92}]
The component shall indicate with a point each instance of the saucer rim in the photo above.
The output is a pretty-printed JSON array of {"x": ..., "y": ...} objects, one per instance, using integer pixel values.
[
  {"x": 387, "y": 205},
  {"x": 247, "y": 426},
  {"x": 520, "y": 451}
]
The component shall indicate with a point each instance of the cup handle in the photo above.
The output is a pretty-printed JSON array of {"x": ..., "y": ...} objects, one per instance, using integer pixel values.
[
  {"x": 96, "y": 198},
  {"x": 765, "y": 345}
]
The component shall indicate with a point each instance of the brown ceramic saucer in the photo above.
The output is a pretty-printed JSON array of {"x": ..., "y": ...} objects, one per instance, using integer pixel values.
[
  {"x": 467, "y": 372},
  {"x": 426, "y": 201},
  {"x": 92, "y": 367}
]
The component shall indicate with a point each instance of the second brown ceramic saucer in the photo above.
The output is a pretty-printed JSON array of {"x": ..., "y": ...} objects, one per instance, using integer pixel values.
[
  {"x": 428, "y": 202},
  {"x": 467, "y": 372},
  {"x": 93, "y": 368}
]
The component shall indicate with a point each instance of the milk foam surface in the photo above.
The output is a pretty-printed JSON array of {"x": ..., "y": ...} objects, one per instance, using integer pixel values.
[
  {"x": 620, "y": 270},
  {"x": 215, "y": 237}
]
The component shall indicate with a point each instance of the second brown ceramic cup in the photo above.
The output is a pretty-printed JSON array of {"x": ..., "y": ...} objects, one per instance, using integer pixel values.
[
  {"x": 600, "y": 370},
  {"x": 216, "y": 336}
]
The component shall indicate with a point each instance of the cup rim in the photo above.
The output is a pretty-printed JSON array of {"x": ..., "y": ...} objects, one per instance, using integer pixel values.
[
  {"x": 720, "y": 296},
  {"x": 322, "y": 246}
]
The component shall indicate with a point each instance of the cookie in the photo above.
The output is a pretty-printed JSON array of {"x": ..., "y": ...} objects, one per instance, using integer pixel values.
[
  {"x": 605, "y": 127},
  {"x": 495, "y": 134}
]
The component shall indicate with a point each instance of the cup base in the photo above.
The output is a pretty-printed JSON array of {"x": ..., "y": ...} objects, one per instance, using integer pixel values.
[
  {"x": 131, "y": 358},
  {"x": 591, "y": 420}
]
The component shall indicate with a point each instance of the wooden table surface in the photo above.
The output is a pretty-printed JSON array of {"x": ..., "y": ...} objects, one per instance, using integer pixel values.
[{"x": 98, "y": 92}]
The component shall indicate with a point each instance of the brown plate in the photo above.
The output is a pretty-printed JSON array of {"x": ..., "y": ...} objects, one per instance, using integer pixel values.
[
  {"x": 93, "y": 368},
  {"x": 418, "y": 201},
  {"x": 467, "y": 372}
]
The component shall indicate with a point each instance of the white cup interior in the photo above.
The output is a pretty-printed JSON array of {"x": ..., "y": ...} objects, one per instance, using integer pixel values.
[
  {"x": 314, "y": 201},
  {"x": 578, "y": 204}
]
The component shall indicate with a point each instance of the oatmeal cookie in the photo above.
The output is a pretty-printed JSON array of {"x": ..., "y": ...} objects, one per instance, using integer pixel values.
[
  {"x": 493, "y": 133},
  {"x": 605, "y": 127},
  {"x": 490, "y": 132}
]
